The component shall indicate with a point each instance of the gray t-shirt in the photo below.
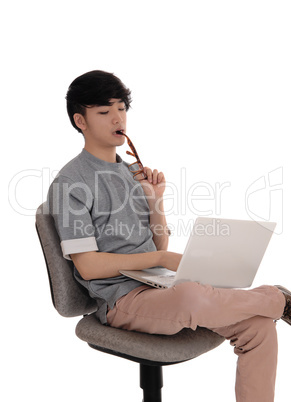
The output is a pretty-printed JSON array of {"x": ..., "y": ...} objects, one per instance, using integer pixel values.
[{"x": 98, "y": 206}]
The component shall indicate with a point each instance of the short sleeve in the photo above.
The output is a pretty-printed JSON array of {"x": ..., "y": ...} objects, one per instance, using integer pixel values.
[{"x": 70, "y": 204}]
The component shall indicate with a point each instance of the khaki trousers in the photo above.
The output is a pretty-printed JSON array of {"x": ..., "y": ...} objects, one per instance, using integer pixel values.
[{"x": 245, "y": 317}]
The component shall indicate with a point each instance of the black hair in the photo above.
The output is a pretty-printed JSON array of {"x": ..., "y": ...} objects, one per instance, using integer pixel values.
[{"x": 95, "y": 88}]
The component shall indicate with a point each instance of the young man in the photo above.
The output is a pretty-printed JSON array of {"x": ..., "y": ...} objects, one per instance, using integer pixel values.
[{"x": 108, "y": 221}]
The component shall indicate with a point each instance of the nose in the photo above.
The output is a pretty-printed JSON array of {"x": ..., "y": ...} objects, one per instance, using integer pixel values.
[{"x": 117, "y": 118}]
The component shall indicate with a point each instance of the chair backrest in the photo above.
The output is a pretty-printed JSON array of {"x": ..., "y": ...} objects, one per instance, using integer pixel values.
[{"x": 69, "y": 297}]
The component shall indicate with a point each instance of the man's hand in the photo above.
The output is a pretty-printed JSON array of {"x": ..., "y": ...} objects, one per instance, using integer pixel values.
[
  {"x": 154, "y": 185},
  {"x": 170, "y": 260}
]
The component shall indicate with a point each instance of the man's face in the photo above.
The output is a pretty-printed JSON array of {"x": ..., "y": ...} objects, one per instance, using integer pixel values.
[{"x": 102, "y": 122}]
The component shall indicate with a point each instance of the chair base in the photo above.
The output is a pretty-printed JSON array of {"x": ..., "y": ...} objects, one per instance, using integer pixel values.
[
  {"x": 151, "y": 381},
  {"x": 151, "y": 374}
]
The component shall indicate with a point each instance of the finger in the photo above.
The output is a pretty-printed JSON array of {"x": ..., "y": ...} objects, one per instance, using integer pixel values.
[
  {"x": 140, "y": 177},
  {"x": 155, "y": 176},
  {"x": 149, "y": 173},
  {"x": 161, "y": 177}
]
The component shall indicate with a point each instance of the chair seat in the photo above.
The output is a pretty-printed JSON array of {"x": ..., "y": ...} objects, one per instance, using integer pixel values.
[{"x": 138, "y": 346}]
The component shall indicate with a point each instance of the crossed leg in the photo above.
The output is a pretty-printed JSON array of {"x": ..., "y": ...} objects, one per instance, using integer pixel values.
[{"x": 245, "y": 317}]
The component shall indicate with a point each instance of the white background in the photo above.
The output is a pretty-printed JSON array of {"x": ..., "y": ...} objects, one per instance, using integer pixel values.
[{"x": 210, "y": 82}]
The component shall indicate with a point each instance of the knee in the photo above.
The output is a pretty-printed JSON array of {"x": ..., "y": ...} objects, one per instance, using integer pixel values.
[
  {"x": 262, "y": 325},
  {"x": 266, "y": 329},
  {"x": 254, "y": 332}
]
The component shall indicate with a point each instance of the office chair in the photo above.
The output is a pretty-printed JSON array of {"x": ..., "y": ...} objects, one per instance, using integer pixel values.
[{"x": 152, "y": 352}]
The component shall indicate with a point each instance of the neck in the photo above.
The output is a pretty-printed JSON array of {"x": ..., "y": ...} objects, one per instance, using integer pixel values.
[{"x": 107, "y": 155}]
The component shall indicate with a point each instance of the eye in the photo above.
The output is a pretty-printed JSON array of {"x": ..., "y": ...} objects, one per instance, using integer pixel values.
[
  {"x": 104, "y": 112},
  {"x": 122, "y": 109}
]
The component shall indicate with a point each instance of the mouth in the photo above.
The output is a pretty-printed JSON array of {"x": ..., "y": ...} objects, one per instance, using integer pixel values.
[{"x": 118, "y": 132}]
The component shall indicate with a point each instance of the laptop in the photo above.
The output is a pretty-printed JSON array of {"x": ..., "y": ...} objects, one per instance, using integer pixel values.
[{"x": 224, "y": 253}]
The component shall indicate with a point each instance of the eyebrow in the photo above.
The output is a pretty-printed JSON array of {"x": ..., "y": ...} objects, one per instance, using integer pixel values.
[
  {"x": 120, "y": 101},
  {"x": 110, "y": 103}
]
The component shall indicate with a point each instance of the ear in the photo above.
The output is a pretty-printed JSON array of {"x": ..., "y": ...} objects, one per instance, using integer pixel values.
[{"x": 80, "y": 121}]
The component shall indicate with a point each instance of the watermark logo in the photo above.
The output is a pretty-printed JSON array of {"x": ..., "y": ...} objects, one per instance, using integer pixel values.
[
  {"x": 199, "y": 198},
  {"x": 264, "y": 199}
]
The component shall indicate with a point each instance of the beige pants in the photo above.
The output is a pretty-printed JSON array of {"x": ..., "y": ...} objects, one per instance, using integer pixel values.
[{"x": 245, "y": 317}]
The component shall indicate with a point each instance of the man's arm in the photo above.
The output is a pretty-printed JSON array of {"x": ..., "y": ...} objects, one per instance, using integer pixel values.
[
  {"x": 154, "y": 187},
  {"x": 158, "y": 225},
  {"x": 100, "y": 265}
]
